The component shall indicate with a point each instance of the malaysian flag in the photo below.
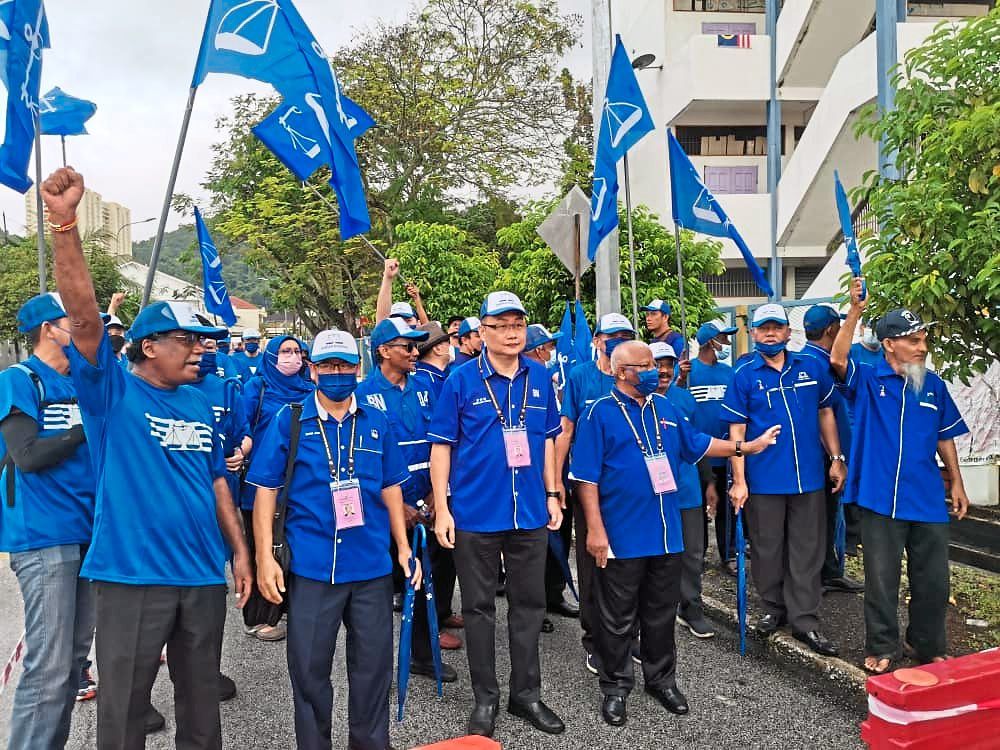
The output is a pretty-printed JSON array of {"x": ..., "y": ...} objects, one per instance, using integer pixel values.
[{"x": 734, "y": 40}]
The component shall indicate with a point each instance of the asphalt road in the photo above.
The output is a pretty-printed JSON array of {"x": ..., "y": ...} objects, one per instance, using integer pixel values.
[{"x": 735, "y": 702}]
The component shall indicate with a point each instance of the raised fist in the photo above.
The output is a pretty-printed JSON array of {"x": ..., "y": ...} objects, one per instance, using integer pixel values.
[
  {"x": 62, "y": 193},
  {"x": 391, "y": 268}
]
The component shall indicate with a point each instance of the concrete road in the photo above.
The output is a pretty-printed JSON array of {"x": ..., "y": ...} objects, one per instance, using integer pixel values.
[{"x": 736, "y": 702}]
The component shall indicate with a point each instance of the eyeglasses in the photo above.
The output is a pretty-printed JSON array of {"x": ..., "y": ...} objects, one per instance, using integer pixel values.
[
  {"x": 506, "y": 327},
  {"x": 188, "y": 338},
  {"x": 335, "y": 367},
  {"x": 296, "y": 351},
  {"x": 409, "y": 346}
]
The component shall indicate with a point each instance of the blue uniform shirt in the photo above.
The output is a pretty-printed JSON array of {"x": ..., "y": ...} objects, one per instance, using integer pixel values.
[
  {"x": 688, "y": 480},
  {"x": 893, "y": 470},
  {"x": 56, "y": 505},
  {"x": 838, "y": 401},
  {"x": 585, "y": 384},
  {"x": 409, "y": 411},
  {"x": 762, "y": 397},
  {"x": 486, "y": 494},
  {"x": 319, "y": 551},
  {"x": 225, "y": 367},
  {"x": 156, "y": 454},
  {"x": 708, "y": 384},
  {"x": 246, "y": 366},
  {"x": 674, "y": 339},
  {"x": 226, "y": 400},
  {"x": 864, "y": 356},
  {"x": 460, "y": 359},
  {"x": 433, "y": 376},
  {"x": 639, "y": 522}
]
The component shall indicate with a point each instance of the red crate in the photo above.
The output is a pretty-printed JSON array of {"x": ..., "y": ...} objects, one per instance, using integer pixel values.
[
  {"x": 952, "y": 704},
  {"x": 463, "y": 743}
]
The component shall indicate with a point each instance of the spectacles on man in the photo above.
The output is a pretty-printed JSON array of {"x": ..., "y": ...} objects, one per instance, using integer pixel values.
[
  {"x": 519, "y": 327},
  {"x": 335, "y": 367},
  {"x": 187, "y": 338}
]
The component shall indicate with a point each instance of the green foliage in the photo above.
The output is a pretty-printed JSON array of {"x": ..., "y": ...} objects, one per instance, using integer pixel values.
[{"x": 937, "y": 250}]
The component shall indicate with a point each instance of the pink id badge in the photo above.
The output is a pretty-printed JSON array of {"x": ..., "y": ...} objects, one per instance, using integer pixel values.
[
  {"x": 347, "y": 507},
  {"x": 515, "y": 440},
  {"x": 660, "y": 474}
]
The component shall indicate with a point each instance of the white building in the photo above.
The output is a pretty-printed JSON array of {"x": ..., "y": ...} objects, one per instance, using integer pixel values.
[
  {"x": 109, "y": 221},
  {"x": 166, "y": 288},
  {"x": 715, "y": 99}
]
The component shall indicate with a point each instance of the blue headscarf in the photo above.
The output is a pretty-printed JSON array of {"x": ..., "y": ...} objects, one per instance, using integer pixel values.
[{"x": 286, "y": 388}]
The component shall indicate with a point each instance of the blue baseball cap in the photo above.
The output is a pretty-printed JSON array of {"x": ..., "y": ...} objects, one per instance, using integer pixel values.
[
  {"x": 538, "y": 335},
  {"x": 395, "y": 328},
  {"x": 467, "y": 326},
  {"x": 498, "y": 303},
  {"x": 657, "y": 305},
  {"x": 769, "y": 313},
  {"x": 401, "y": 310},
  {"x": 819, "y": 317},
  {"x": 161, "y": 317},
  {"x": 40, "y": 309},
  {"x": 332, "y": 344},
  {"x": 614, "y": 323},
  {"x": 709, "y": 331},
  {"x": 897, "y": 323}
]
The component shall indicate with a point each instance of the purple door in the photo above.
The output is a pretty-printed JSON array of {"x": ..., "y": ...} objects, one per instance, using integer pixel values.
[{"x": 731, "y": 179}]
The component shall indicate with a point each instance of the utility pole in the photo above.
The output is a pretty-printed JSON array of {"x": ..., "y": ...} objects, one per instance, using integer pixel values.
[
  {"x": 888, "y": 13},
  {"x": 774, "y": 145}
]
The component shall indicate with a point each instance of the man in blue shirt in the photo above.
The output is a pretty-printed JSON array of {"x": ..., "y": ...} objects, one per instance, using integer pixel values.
[
  {"x": 156, "y": 558},
  {"x": 628, "y": 459},
  {"x": 903, "y": 417},
  {"x": 709, "y": 379},
  {"x": 341, "y": 569},
  {"x": 822, "y": 324},
  {"x": 787, "y": 518},
  {"x": 248, "y": 361},
  {"x": 470, "y": 342},
  {"x": 868, "y": 349},
  {"x": 46, "y": 515},
  {"x": 408, "y": 404},
  {"x": 493, "y": 433},
  {"x": 434, "y": 356},
  {"x": 586, "y": 383},
  {"x": 657, "y": 315}
]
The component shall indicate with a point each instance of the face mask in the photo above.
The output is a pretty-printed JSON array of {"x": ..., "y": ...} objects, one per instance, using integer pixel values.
[
  {"x": 870, "y": 341},
  {"x": 208, "y": 364},
  {"x": 117, "y": 343},
  {"x": 649, "y": 381},
  {"x": 337, "y": 386},
  {"x": 289, "y": 364},
  {"x": 252, "y": 347},
  {"x": 611, "y": 344},
  {"x": 723, "y": 352},
  {"x": 452, "y": 353},
  {"x": 553, "y": 360},
  {"x": 771, "y": 349},
  {"x": 224, "y": 347}
]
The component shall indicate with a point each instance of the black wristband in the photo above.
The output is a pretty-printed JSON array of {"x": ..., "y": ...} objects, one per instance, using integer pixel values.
[{"x": 739, "y": 448}]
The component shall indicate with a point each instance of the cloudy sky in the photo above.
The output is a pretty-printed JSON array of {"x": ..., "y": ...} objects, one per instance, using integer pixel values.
[{"x": 135, "y": 58}]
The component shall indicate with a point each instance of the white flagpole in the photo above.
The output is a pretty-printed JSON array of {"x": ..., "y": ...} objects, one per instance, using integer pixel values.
[
  {"x": 39, "y": 209},
  {"x": 154, "y": 258}
]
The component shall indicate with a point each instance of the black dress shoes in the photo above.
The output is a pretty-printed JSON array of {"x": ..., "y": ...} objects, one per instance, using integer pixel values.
[
  {"x": 817, "y": 642},
  {"x": 767, "y": 624},
  {"x": 540, "y": 716},
  {"x": 670, "y": 698},
  {"x": 547, "y": 626},
  {"x": 154, "y": 721},
  {"x": 613, "y": 710},
  {"x": 565, "y": 609},
  {"x": 483, "y": 719},
  {"x": 448, "y": 673},
  {"x": 843, "y": 583}
]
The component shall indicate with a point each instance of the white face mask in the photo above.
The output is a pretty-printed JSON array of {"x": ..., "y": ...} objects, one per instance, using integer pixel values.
[
  {"x": 869, "y": 341},
  {"x": 724, "y": 352},
  {"x": 452, "y": 352}
]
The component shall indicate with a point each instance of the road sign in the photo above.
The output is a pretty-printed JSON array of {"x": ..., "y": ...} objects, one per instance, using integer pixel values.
[{"x": 559, "y": 230}]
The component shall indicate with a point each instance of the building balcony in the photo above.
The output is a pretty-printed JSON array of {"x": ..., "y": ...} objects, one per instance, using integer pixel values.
[{"x": 812, "y": 37}]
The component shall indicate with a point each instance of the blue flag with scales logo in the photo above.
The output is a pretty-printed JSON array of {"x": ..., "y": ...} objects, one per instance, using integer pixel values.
[
  {"x": 62, "y": 114},
  {"x": 217, "y": 299}
]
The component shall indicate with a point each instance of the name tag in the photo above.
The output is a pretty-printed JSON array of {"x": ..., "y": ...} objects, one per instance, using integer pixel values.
[
  {"x": 348, "y": 509},
  {"x": 660, "y": 474},
  {"x": 515, "y": 441}
]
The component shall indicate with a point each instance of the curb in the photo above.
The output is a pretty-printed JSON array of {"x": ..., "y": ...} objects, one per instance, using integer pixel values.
[{"x": 837, "y": 674}]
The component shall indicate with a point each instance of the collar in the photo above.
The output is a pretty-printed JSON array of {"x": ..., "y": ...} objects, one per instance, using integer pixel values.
[
  {"x": 817, "y": 347},
  {"x": 381, "y": 382},
  {"x": 790, "y": 358},
  {"x": 487, "y": 366},
  {"x": 884, "y": 370},
  {"x": 428, "y": 367},
  {"x": 313, "y": 409},
  {"x": 628, "y": 400}
]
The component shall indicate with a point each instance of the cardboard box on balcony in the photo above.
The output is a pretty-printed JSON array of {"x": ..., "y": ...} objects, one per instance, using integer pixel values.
[
  {"x": 760, "y": 145},
  {"x": 704, "y": 145},
  {"x": 716, "y": 146},
  {"x": 734, "y": 146}
]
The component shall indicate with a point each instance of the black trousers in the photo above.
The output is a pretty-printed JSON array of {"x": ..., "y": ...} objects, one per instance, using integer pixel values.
[
  {"x": 725, "y": 530},
  {"x": 789, "y": 544},
  {"x": 555, "y": 581},
  {"x": 477, "y": 560},
  {"x": 926, "y": 546},
  {"x": 692, "y": 562},
  {"x": 643, "y": 591},
  {"x": 831, "y": 567},
  {"x": 585, "y": 567},
  {"x": 133, "y": 625},
  {"x": 316, "y": 610},
  {"x": 442, "y": 568}
]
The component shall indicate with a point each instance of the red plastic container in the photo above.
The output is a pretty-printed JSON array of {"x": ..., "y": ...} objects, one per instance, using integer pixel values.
[
  {"x": 463, "y": 743},
  {"x": 952, "y": 704}
]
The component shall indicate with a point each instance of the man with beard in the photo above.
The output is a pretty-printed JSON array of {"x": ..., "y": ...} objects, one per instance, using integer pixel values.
[{"x": 903, "y": 416}]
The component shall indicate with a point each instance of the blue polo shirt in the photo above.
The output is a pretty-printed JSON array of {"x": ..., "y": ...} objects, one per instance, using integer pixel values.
[
  {"x": 762, "y": 397},
  {"x": 156, "y": 454},
  {"x": 56, "y": 505},
  {"x": 688, "y": 480},
  {"x": 246, "y": 366},
  {"x": 674, "y": 339},
  {"x": 487, "y": 495},
  {"x": 584, "y": 385},
  {"x": 893, "y": 470},
  {"x": 838, "y": 401},
  {"x": 864, "y": 356},
  {"x": 639, "y": 522},
  {"x": 460, "y": 359},
  {"x": 433, "y": 376},
  {"x": 225, "y": 367},
  {"x": 227, "y": 405},
  {"x": 319, "y": 551},
  {"x": 708, "y": 384},
  {"x": 409, "y": 411}
]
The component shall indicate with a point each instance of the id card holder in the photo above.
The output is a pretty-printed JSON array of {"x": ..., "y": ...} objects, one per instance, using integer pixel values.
[
  {"x": 660, "y": 474},
  {"x": 515, "y": 441},
  {"x": 348, "y": 509}
]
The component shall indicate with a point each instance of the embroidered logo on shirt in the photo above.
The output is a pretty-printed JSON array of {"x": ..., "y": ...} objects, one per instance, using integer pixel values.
[
  {"x": 376, "y": 400},
  {"x": 535, "y": 393},
  {"x": 374, "y": 434},
  {"x": 480, "y": 401},
  {"x": 803, "y": 375},
  {"x": 61, "y": 416},
  {"x": 178, "y": 435},
  {"x": 424, "y": 398}
]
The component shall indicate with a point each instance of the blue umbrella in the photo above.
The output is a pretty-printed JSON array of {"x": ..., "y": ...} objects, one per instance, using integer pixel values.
[
  {"x": 741, "y": 581},
  {"x": 840, "y": 535},
  {"x": 418, "y": 546},
  {"x": 559, "y": 550}
]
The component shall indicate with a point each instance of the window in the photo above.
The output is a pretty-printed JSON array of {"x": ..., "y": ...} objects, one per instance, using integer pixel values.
[
  {"x": 728, "y": 28},
  {"x": 804, "y": 277},
  {"x": 690, "y": 137},
  {"x": 734, "y": 282},
  {"x": 721, "y": 6},
  {"x": 731, "y": 179}
]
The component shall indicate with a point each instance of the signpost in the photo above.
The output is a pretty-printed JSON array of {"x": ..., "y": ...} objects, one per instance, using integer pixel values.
[{"x": 565, "y": 231}]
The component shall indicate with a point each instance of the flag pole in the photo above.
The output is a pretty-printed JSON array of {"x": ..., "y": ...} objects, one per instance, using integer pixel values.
[
  {"x": 39, "y": 209},
  {"x": 63, "y": 149},
  {"x": 631, "y": 243},
  {"x": 154, "y": 258},
  {"x": 680, "y": 285}
]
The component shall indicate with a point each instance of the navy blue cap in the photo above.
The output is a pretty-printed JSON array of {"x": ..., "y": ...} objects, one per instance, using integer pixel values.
[
  {"x": 819, "y": 317},
  {"x": 467, "y": 326},
  {"x": 899, "y": 322},
  {"x": 161, "y": 317},
  {"x": 709, "y": 331},
  {"x": 395, "y": 328},
  {"x": 38, "y": 310},
  {"x": 657, "y": 305},
  {"x": 538, "y": 335}
]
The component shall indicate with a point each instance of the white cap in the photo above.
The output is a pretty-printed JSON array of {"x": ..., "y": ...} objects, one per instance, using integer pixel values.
[
  {"x": 498, "y": 303},
  {"x": 251, "y": 333},
  {"x": 614, "y": 323},
  {"x": 662, "y": 350},
  {"x": 332, "y": 344},
  {"x": 769, "y": 313},
  {"x": 402, "y": 310},
  {"x": 114, "y": 320}
]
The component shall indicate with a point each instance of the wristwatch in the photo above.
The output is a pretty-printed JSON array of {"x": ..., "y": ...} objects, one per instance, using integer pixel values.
[
  {"x": 839, "y": 457},
  {"x": 552, "y": 493},
  {"x": 739, "y": 448}
]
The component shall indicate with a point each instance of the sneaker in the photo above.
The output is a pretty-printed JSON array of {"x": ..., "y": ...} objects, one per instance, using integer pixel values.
[
  {"x": 591, "y": 663},
  {"x": 698, "y": 625},
  {"x": 88, "y": 686}
]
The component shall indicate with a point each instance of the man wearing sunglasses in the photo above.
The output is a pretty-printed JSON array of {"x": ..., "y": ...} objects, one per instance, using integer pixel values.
[{"x": 164, "y": 514}]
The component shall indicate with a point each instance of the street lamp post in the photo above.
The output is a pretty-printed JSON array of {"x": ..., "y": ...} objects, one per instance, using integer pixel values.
[{"x": 123, "y": 227}]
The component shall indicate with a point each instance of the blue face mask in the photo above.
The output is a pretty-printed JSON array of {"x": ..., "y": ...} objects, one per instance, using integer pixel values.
[
  {"x": 224, "y": 347},
  {"x": 252, "y": 347},
  {"x": 649, "y": 381},
  {"x": 611, "y": 344},
  {"x": 771, "y": 349},
  {"x": 337, "y": 386},
  {"x": 208, "y": 364}
]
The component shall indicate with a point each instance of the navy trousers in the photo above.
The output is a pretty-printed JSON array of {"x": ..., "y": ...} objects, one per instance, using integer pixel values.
[{"x": 315, "y": 611}]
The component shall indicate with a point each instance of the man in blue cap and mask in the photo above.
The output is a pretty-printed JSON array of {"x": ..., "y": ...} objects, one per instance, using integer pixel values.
[
  {"x": 248, "y": 361},
  {"x": 470, "y": 342},
  {"x": 156, "y": 558}
]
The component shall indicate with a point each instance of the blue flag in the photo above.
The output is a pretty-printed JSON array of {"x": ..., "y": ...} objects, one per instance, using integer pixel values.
[
  {"x": 624, "y": 120},
  {"x": 695, "y": 208},
  {"x": 847, "y": 227},
  {"x": 62, "y": 114},
  {"x": 24, "y": 33},
  {"x": 583, "y": 338},
  {"x": 564, "y": 346},
  {"x": 216, "y": 295}
]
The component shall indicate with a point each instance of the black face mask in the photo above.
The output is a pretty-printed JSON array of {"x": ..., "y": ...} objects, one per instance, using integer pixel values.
[{"x": 117, "y": 343}]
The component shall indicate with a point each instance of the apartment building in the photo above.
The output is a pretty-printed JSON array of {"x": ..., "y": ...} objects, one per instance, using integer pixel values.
[{"x": 109, "y": 222}]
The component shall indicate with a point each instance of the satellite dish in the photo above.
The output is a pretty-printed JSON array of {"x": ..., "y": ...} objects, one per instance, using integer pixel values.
[{"x": 643, "y": 61}]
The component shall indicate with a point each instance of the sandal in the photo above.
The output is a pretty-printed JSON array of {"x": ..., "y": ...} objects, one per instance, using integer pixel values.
[
  {"x": 872, "y": 663},
  {"x": 911, "y": 653}
]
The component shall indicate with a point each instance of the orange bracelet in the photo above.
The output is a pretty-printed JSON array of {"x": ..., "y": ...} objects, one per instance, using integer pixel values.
[{"x": 64, "y": 227}]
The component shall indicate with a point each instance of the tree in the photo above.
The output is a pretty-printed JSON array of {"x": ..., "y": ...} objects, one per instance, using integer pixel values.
[{"x": 936, "y": 252}]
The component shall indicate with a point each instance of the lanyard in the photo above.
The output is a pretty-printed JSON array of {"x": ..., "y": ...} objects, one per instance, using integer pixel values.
[
  {"x": 335, "y": 470},
  {"x": 635, "y": 433},
  {"x": 496, "y": 404}
]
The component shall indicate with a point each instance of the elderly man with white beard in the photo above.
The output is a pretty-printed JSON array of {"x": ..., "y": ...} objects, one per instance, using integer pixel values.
[{"x": 903, "y": 416}]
